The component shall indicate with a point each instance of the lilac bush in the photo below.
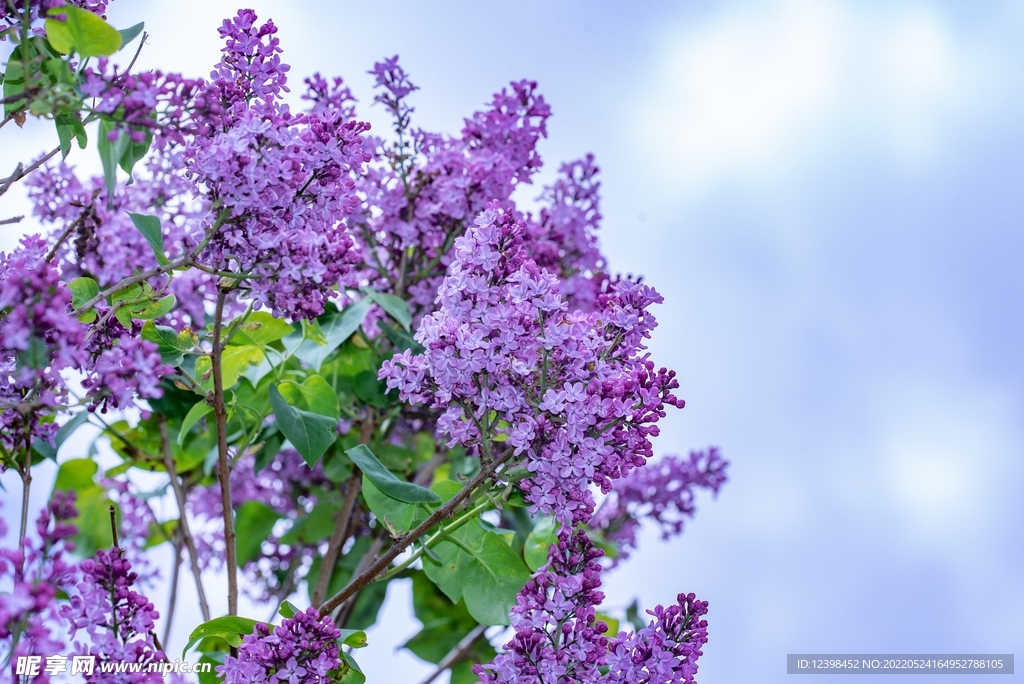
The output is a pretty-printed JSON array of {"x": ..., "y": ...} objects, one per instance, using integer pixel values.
[{"x": 350, "y": 357}]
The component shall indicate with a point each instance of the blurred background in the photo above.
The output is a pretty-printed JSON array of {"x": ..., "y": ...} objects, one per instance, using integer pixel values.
[{"x": 828, "y": 193}]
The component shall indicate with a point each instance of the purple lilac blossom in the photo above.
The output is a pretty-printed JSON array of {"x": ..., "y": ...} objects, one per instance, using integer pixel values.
[
  {"x": 38, "y": 340},
  {"x": 28, "y": 615},
  {"x": 422, "y": 192},
  {"x": 573, "y": 393},
  {"x": 663, "y": 491},
  {"x": 663, "y": 652},
  {"x": 303, "y": 649},
  {"x": 118, "y": 620},
  {"x": 557, "y": 636},
  {"x": 282, "y": 182},
  {"x": 559, "y": 639}
]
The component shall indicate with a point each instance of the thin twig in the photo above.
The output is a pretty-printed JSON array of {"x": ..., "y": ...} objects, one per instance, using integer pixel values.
[
  {"x": 338, "y": 538},
  {"x": 344, "y": 611},
  {"x": 26, "y": 489},
  {"x": 220, "y": 414},
  {"x": 137, "y": 52},
  {"x": 186, "y": 534},
  {"x": 457, "y": 653},
  {"x": 13, "y": 219},
  {"x": 20, "y": 171},
  {"x": 172, "y": 601},
  {"x": 113, "y": 526},
  {"x": 402, "y": 544}
]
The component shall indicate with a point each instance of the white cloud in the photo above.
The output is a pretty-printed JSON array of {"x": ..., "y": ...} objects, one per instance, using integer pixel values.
[{"x": 762, "y": 89}]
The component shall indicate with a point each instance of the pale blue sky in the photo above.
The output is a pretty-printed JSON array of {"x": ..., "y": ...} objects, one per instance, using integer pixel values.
[{"x": 827, "y": 193}]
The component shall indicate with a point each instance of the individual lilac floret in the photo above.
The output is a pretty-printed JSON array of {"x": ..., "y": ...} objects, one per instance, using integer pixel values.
[
  {"x": 119, "y": 620},
  {"x": 303, "y": 649},
  {"x": 666, "y": 650},
  {"x": 557, "y": 637},
  {"x": 663, "y": 491},
  {"x": 573, "y": 393}
]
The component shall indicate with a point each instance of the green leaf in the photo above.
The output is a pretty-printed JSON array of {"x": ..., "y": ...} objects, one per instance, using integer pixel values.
[
  {"x": 82, "y": 32},
  {"x": 69, "y": 127},
  {"x": 444, "y": 623},
  {"x": 353, "y": 675},
  {"x": 14, "y": 83},
  {"x": 396, "y": 515},
  {"x": 135, "y": 151},
  {"x": 356, "y": 638},
  {"x": 128, "y": 34},
  {"x": 311, "y": 331},
  {"x": 231, "y": 628},
  {"x": 234, "y": 361},
  {"x": 395, "y": 307},
  {"x": 261, "y": 328},
  {"x": 535, "y": 550},
  {"x": 491, "y": 578},
  {"x": 145, "y": 311},
  {"x": 253, "y": 524},
  {"x": 310, "y": 433},
  {"x": 193, "y": 416},
  {"x": 314, "y": 527},
  {"x": 481, "y": 568},
  {"x": 111, "y": 152},
  {"x": 386, "y": 481},
  {"x": 314, "y": 394},
  {"x": 150, "y": 228},
  {"x": 287, "y": 610},
  {"x": 82, "y": 290},
  {"x": 401, "y": 339},
  {"x": 166, "y": 340},
  {"x": 336, "y": 327},
  {"x": 76, "y": 475}
]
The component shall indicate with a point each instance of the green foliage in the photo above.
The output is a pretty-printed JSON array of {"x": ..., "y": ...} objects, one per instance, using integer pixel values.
[
  {"x": 535, "y": 550},
  {"x": 386, "y": 481},
  {"x": 336, "y": 328},
  {"x": 93, "y": 506},
  {"x": 82, "y": 32},
  {"x": 169, "y": 344},
  {"x": 149, "y": 227},
  {"x": 310, "y": 433},
  {"x": 394, "y": 306},
  {"x": 234, "y": 361},
  {"x": 397, "y": 516},
  {"x": 253, "y": 524},
  {"x": 230, "y": 628},
  {"x": 480, "y": 567},
  {"x": 261, "y": 328}
]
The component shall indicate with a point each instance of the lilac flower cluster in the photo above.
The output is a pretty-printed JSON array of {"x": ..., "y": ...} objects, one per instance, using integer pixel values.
[
  {"x": 573, "y": 393},
  {"x": 557, "y": 636},
  {"x": 142, "y": 104},
  {"x": 281, "y": 184},
  {"x": 666, "y": 650},
  {"x": 118, "y": 620},
  {"x": 38, "y": 340},
  {"x": 563, "y": 240},
  {"x": 28, "y": 614},
  {"x": 303, "y": 649},
  {"x": 423, "y": 191},
  {"x": 664, "y": 491},
  {"x": 559, "y": 640}
]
